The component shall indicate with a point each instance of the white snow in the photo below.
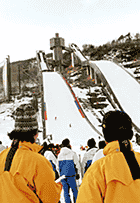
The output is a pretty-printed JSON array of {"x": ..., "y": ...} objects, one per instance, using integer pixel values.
[
  {"x": 125, "y": 87},
  {"x": 60, "y": 103}
]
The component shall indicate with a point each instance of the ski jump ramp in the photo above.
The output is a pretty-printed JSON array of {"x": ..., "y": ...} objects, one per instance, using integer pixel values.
[
  {"x": 63, "y": 117},
  {"x": 123, "y": 85}
]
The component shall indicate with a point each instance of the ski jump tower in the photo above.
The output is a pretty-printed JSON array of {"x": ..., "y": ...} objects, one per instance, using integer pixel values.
[{"x": 57, "y": 44}]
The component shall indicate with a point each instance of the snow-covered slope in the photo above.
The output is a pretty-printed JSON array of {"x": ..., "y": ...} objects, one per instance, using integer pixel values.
[
  {"x": 124, "y": 86},
  {"x": 60, "y": 104}
]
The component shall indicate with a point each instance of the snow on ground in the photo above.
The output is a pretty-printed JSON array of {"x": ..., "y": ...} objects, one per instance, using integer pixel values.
[
  {"x": 7, "y": 122},
  {"x": 92, "y": 114},
  {"x": 61, "y": 104},
  {"x": 125, "y": 88},
  {"x": 7, "y": 125},
  {"x": 131, "y": 70}
]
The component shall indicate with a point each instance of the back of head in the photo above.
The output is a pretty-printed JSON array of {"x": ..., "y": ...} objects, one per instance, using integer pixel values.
[
  {"x": 26, "y": 125},
  {"x": 66, "y": 143},
  {"x": 25, "y": 118},
  {"x": 102, "y": 144},
  {"x": 117, "y": 125},
  {"x": 91, "y": 143},
  {"x": 51, "y": 146}
]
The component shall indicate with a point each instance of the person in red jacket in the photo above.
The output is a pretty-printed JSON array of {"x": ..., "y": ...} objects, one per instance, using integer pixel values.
[{"x": 31, "y": 175}]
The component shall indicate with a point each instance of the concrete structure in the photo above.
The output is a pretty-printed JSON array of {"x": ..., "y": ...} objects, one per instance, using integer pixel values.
[{"x": 57, "y": 44}]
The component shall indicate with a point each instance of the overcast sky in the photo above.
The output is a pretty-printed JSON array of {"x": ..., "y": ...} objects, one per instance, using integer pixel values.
[{"x": 28, "y": 25}]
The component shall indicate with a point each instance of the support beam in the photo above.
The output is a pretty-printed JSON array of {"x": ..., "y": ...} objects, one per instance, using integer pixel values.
[
  {"x": 91, "y": 73},
  {"x": 72, "y": 59},
  {"x": 95, "y": 77},
  {"x": 88, "y": 70}
]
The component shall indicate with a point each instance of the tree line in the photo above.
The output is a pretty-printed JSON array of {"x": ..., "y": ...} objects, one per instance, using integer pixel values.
[{"x": 124, "y": 43}]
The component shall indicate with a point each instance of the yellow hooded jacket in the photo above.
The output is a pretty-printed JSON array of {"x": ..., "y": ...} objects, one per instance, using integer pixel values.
[
  {"x": 109, "y": 179},
  {"x": 29, "y": 172}
]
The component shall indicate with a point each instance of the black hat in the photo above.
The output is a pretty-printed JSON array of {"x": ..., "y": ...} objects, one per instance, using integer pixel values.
[
  {"x": 117, "y": 125},
  {"x": 25, "y": 118}
]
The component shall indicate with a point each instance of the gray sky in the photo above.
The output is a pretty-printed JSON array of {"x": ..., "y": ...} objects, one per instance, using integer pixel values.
[{"x": 27, "y": 25}]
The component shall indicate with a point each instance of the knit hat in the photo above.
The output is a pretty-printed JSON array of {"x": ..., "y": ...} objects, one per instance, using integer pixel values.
[{"x": 25, "y": 118}]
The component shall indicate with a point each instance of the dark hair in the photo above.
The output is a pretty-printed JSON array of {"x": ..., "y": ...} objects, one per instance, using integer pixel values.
[
  {"x": 66, "y": 142},
  {"x": 50, "y": 146},
  {"x": 129, "y": 155},
  {"x": 23, "y": 136},
  {"x": 91, "y": 143},
  {"x": 0, "y": 142},
  {"x": 117, "y": 125},
  {"x": 44, "y": 148},
  {"x": 101, "y": 144}
]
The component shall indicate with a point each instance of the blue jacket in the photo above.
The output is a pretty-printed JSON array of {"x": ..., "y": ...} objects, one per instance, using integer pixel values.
[
  {"x": 52, "y": 159},
  {"x": 68, "y": 162},
  {"x": 87, "y": 159}
]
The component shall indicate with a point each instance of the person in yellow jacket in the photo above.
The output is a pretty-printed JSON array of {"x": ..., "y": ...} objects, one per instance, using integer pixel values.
[
  {"x": 31, "y": 175},
  {"x": 114, "y": 178}
]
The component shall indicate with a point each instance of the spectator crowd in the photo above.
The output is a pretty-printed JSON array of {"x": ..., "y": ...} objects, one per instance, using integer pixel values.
[{"x": 31, "y": 172}]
